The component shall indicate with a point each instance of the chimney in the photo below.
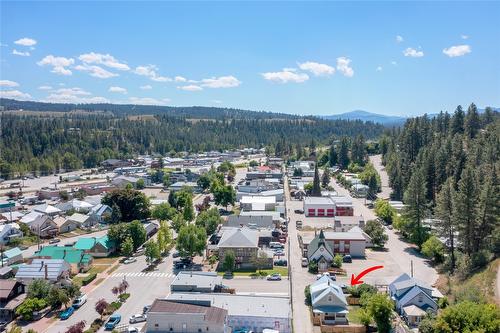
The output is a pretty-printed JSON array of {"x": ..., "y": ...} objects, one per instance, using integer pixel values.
[
  {"x": 41, "y": 267},
  {"x": 46, "y": 272}
]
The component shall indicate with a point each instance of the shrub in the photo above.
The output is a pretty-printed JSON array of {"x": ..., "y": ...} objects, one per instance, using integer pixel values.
[
  {"x": 86, "y": 280},
  {"x": 359, "y": 290},
  {"x": 123, "y": 297},
  {"x": 313, "y": 267},
  {"x": 307, "y": 293},
  {"x": 337, "y": 261},
  {"x": 113, "y": 306}
]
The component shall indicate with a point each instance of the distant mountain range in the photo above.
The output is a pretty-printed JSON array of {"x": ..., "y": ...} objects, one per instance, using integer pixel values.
[
  {"x": 380, "y": 118},
  {"x": 368, "y": 116}
]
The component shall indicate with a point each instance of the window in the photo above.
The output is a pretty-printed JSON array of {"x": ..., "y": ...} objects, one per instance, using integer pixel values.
[
  {"x": 171, "y": 329},
  {"x": 199, "y": 330},
  {"x": 420, "y": 299}
]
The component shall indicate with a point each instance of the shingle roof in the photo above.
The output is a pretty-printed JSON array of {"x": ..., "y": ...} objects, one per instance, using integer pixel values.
[
  {"x": 211, "y": 313},
  {"x": 47, "y": 209},
  {"x": 6, "y": 287},
  {"x": 87, "y": 243},
  {"x": 239, "y": 237},
  {"x": 317, "y": 242}
]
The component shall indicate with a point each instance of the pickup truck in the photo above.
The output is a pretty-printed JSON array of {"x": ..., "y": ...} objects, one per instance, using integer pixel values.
[{"x": 113, "y": 321}]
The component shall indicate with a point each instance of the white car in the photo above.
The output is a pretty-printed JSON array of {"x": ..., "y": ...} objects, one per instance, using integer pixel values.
[
  {"x": 129, "y": 260},
  {"x": 132, "y": 329},
  {"x": 274, "y": 277},
  {"x": 137, "y": 318},
  {"x": 79, "y": 301}
]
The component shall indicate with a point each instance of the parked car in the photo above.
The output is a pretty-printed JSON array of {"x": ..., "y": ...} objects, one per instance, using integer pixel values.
[
  {"x": 113, "y": 321},
  {"x": 299, "y": 211},
  {"x": 130, "y": 260},
  {"x": 139, "y": 252},
  {"x": 274, "y": 277},
  {"x": 281, "y": 262},
  {"x": 298, "y": 224},
  {"x": 146, "y": 309},
  {"x": 305, "y": 262},
  {"x": 79, "y": 301},
  {"x": 175, "y": 254},
  {"x": 67, "y": 313},
  {"x": 347, "y": 258},
  {"x": 137, "y": 318},
  {"x": 279, "y": 253},
  {"x": 54, "y": 241},
  {"x": 132, "y": 329}
]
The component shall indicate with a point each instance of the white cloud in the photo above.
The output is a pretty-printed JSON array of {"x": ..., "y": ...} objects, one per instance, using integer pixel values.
[
  {"x": 8, "y": 83},
  {"x": 317, "y": 69},
  {"x": 20, "y": 53},
  {"x": 151, "y": 71},
  {"x": 96, "y": 71},
  {"x": 117, "y": 90},
  {"x": 25, "y": 42},
  {"x": 103, "y": 59},
  {"x": 399, "y": 39},
  {"x": 146, "y": 87},
  {"x": 74, "y": 95},
  {"x": 191, "y": 87},
  {"x": 221, "y": 82},
  {"x": 411, "y": 52},
  {"x": 180, "y": 79},
  {"x": 45, "y": 88},
  {"x": 14, "y": 94},
  {"x": 379, "y": 69},
  {"x": 343, "y": 66},
  {"x": 464, "y": 37},
  {"x": 285, "y": 76},
  {"x": 457, "y": 50},
  {"x": 58, "y": 64},
  {"x": 149, "y": 101}
]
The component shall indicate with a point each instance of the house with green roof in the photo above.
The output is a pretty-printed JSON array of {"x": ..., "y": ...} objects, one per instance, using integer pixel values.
[
  {"x": 96, "y": 246},
  {"x": 78, "y": 260},
  {"x": 12, "y": 256}
]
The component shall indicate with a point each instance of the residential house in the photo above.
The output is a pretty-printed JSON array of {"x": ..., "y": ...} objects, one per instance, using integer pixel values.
[
  {"x": 65, "y": 225},
  {"x": 11, "y": 216},
  {"x": 413, "y": 298},
  {"x": 123, "y": 181},
  {"x": 180, "y": 317},
  {"x": 9, "y": 231},
  {"x": 96, "y": 246},
  {"x": 47, "y": 209},
  {"x": 11, "y": 296},
  {"x": 205, "y": 282},
  {"x": 75, "y": 205},
  {"x": 11, "y": 256},
  {"x": 78, "y": 260},
  {"x": 329, "y": 305},
  {"x": 346, "y": 223},
  {"x": 250, "y": 312},
  {"x": 258, "y": 203},
  {"x": 320, "y": 252},
  {"x": 99, "y": 213},
  {"x": 53, "y": 270},
  {"x": 243, "y": 242},
  {"x": 40, "y": 224},
  {"x": 83, "y": 221}
]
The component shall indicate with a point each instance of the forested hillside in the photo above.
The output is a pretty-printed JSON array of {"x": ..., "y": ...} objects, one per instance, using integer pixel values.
[
  {"x": 448, "y": 167},
  {"x": 202, "y": 112},
  {"x": 49, "y": 143}
]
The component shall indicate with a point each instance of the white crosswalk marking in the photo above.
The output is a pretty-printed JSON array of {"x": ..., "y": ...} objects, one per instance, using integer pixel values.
[{"x": 142, "y": 274}]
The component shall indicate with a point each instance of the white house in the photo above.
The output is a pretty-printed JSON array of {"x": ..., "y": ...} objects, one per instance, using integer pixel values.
[
  {"x": 9, "y": 231},
  {"x": 328, "y": 302},
  {"x": 320, "y": 252}
]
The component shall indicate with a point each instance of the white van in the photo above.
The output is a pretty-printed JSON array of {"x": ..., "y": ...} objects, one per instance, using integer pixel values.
[
  {"x": 79, "y": 301},
  {"x": 305, "y": 262}
]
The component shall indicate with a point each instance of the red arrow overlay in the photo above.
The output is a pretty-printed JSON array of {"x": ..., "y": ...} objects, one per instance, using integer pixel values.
[{"x": 356, "y": 280}]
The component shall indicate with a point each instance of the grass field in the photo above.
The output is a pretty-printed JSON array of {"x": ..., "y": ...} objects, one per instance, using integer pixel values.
[{"x": 264, "y": 272}]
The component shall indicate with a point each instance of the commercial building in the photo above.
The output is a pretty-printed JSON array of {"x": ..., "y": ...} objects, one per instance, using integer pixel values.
[
  {"x": 205, "y": 282},
  {"x": 259, "y": 203}
]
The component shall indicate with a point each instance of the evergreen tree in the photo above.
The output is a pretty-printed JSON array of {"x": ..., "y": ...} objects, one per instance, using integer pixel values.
[
  {"x": 487, "y": 219},
  {"x": 358, "y": 152},
  {"x": 316, "y": 190},
  {"x": 444, "y": 212},
  {"x": 465, "y": 209},
  {"x": 332, "y": 156},
  {"x": 472, "y": 122},
  {"x": 416, "y": 206},
  {"x": 344, "y": 153},
  {"x": 325, "y": 178},
  {"x": 457, "y": 121}
]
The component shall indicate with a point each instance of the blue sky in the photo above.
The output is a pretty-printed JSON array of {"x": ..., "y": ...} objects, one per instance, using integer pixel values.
[{"x": 293, "y": 57}]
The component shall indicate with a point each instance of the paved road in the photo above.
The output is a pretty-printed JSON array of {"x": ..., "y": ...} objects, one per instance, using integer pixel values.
[
  {"x": 299, "y": 275},
  {"x": 384, "y": 178},
  {"x": 144, "y": 288}
]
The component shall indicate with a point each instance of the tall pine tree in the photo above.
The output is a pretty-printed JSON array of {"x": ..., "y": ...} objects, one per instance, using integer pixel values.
[
  {"x": 316, "y": 190},
  {"x": 444, "y": 212},
  {"x": 465, "y": 208},
  {"x": 416, "y": 206}
]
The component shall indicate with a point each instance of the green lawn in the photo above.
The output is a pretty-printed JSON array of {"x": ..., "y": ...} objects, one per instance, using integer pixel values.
[{"x": 353, "y": 315}]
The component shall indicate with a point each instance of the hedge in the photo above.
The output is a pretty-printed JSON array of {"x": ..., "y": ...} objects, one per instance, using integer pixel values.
[{"x": 91, "y": 277}]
